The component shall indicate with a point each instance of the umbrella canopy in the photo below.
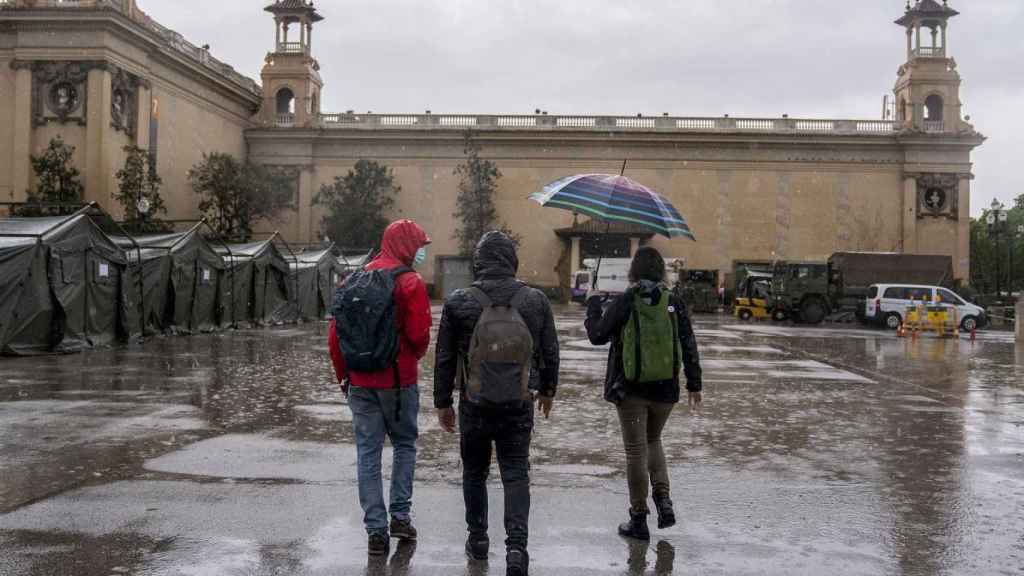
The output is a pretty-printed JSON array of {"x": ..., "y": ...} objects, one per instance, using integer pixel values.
[{"x": 615, "y": 199}]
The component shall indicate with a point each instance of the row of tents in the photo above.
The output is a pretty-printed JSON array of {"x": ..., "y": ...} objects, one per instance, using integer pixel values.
[{"x": 67, "y": 284}]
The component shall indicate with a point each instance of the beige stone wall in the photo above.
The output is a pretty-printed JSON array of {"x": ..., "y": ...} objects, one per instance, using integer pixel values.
[
  {"x": 199, "y": 111},
  {"x": 7, "y": 98},
  {"x": 743, "y": 202}
]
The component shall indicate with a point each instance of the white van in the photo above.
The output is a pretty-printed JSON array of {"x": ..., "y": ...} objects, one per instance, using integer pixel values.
[{"x": 887, "y": 303}]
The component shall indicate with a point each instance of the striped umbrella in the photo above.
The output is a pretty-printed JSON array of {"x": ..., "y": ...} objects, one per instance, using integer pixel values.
[{"x": 615, "y": 199}]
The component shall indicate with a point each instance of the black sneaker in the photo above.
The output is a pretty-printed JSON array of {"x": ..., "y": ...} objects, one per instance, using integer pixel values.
[
  {"x": 378, "y": 544},
  {"x": 666, "y": 512},
  {"x": 517, "y": 563},
  {"x": 402, "y": 529},
  {"x": 477, "y": 548}
]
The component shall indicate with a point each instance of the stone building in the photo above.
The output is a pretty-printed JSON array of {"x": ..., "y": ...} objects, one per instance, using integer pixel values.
[{"x": 102, "y": 74}]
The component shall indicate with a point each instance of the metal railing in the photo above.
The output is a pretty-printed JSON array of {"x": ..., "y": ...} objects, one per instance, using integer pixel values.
[
  {"x": 606, "y": 123},
  {"x": 934, "y": 126},
  {"x": 291, "y": 47},
  {"x": 930, "y": 52}
]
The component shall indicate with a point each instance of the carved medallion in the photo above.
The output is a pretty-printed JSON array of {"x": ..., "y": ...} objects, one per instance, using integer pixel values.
[
  {"x": 937, "y": 196},
  {"x": 64, "y": 99}
]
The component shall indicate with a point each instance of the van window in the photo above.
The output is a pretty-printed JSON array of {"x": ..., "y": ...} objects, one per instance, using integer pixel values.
[
  {"x": 896, "y": 293},
  {"x": 873, "y": 292},
  {"x": 948, "y": 297}
]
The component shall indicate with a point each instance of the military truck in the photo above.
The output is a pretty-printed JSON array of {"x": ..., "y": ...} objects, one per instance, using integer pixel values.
[
  {"x": 809, "y": 292},
  {"x": 699, "y": 290}
]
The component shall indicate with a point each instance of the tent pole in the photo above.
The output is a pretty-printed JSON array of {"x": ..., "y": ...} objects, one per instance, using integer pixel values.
[
  {"x": 204, "y": 221},
  {"x": 138, "y": 255},
  {"x": 295, "y": 260}
]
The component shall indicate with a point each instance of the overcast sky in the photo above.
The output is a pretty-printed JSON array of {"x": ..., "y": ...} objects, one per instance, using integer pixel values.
[{"x": 806, "y": 58}]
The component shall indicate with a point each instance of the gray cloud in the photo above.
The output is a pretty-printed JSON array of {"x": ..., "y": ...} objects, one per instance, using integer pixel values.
[{"x": 809, "y": 58}]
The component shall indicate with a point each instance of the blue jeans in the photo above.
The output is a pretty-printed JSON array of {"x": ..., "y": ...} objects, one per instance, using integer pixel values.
[{"x": 373, "y": 418}]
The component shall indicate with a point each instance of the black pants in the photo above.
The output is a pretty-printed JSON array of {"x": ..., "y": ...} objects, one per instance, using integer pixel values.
[{"x": 508, "y": 430}]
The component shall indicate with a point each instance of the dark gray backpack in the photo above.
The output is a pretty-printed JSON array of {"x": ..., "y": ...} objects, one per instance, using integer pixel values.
[{"x": 497, "y": 368}]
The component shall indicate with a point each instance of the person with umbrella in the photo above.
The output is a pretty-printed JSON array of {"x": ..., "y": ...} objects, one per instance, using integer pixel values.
[{"x": 650, "y": 333}]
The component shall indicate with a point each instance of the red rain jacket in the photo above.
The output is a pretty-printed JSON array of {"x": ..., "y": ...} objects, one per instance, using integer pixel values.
[{"x": 398, "y": 248}]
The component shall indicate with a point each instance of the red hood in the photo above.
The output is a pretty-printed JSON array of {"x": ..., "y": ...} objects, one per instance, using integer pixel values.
[{"x": 401, "y": 241}]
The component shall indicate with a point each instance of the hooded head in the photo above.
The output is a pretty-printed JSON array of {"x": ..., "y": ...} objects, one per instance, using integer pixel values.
[
  {"x": 495, "y": 257},
  {"x": 401, "y": 241}
]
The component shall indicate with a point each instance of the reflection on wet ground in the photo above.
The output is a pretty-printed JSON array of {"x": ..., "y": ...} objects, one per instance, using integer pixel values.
[{"x": 837, "y": 451}]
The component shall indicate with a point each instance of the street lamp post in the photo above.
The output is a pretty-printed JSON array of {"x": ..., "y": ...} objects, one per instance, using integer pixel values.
[
  {"x": 1017, "y": 238},
  {"x": 996, "y": 220}
]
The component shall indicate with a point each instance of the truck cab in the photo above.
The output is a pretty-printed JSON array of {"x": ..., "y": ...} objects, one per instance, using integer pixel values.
[{"x": 800, "y": 290}]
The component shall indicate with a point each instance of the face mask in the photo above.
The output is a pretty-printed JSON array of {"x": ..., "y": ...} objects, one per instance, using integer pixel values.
[{"x": 421, "y": 256}]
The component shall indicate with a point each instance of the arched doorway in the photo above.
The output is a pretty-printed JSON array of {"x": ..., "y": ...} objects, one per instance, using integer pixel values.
[
  {"x": 285, "y": 106},
  {"x": 933, "y": 111}
]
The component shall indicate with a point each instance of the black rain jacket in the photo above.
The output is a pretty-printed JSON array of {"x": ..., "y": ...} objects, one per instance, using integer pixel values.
[
  {"x": 604, "y": 326},
  {"x": 494, "y": 267}
]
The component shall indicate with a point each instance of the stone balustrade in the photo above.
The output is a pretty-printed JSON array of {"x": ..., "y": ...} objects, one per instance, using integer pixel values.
[{"x": 607, "y": 123}]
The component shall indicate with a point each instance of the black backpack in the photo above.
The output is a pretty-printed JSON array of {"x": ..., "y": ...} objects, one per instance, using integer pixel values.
[{"x": 365, "y": 320}]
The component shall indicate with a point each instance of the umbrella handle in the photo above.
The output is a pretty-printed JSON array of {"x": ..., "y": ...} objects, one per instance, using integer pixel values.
[{"x": 607, "y": 229}]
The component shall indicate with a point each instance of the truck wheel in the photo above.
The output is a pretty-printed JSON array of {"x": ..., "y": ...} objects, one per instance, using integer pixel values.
[
  {"x": 813, "y": 311},
  {"x": 745, "y": 315},
  {"x": 893, "y": 321},
  {"x": 779, "y": 316},
  {"x": 969, "y": 324}
]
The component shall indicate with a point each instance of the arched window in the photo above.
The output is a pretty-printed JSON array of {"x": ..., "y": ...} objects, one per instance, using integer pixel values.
[
  {"x": 314, "y": 104},
  {"x": 901, "y": 112},
  {"x": 933, "y": 108},
  {"x": 285, "y": 101}
]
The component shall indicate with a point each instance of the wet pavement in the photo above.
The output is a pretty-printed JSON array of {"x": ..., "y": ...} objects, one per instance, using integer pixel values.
[{"x": 818, "y": 451}]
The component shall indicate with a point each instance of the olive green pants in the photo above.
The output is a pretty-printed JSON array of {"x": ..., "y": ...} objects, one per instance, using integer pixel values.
[{"x": 642, "y": 422}]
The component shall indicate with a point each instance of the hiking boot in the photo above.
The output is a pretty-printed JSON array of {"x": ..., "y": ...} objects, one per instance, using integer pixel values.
[
  {"x": 636, "y": 527},
  {"x": 378, "y": 544},
  {"x": 666, "y": 512},
  {"x": 517, "y": 563},
  {"x": 402, "y": 529},
  {"x": 477, "y": 547}
]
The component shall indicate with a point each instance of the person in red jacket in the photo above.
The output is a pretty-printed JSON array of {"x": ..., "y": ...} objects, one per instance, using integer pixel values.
[{"x": 372, "y": 397}]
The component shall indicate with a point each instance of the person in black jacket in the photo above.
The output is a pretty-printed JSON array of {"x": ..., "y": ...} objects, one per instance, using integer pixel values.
[
  {"x": 508, "y": 428},
  {"x": 644, "y": 408}
]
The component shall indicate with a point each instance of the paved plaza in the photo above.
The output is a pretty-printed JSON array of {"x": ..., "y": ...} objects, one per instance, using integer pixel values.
[{"x": 818, "y": 451}]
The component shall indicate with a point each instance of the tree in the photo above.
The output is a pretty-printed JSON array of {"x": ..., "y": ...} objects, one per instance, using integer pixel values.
[
  {"x": 475, "y": 207},
  {"x": 57, "y": 181},
  {"x": 139, "y": 192},
  {"x": 236, "y": 194},
  {"x": 357, "y": 204}
]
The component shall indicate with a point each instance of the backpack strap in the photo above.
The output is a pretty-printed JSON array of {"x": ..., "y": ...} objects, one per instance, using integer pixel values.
[
  {"x": 480, "y": 296},
  {"x": 636, "y": 339},
  {"x": 674, "y": 316},
  {"x": 396, "y": 273},
  {"x": 400, "y": 271},
  {"x": 520, "y": 298}
]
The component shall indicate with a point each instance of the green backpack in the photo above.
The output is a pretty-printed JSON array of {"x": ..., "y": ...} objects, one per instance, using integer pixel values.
[{"x": 651, "y": 351}]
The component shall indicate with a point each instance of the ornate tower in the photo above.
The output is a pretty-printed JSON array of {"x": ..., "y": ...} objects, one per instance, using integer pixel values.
[
  {"x": 291, "y": 76},
  {"x": 928, "y": 90}
]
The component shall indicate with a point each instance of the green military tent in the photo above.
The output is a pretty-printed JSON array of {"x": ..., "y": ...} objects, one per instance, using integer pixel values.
[
  {"x": 314, "y": 275},
  {"x": 181, "y": 278},
  {"x": 257, "y": 285},
  {"x": 63, "y": 285},
  {"x": 154, "y": 267}
]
